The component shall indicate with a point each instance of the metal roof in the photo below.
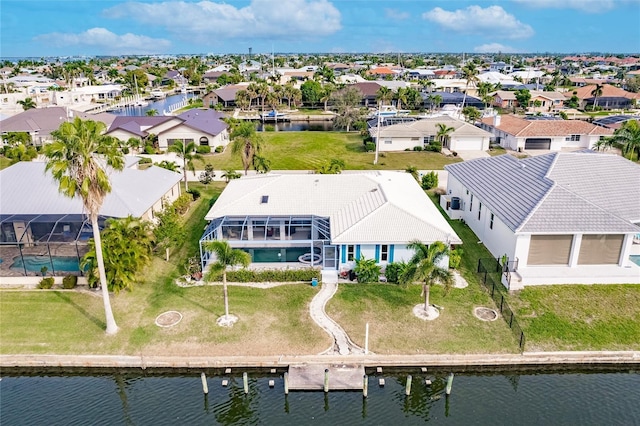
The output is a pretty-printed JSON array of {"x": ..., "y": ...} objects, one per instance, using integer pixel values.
[{"x": 557, "y": 192}]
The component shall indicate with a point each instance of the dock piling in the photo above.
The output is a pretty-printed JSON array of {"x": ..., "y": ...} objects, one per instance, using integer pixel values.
[
  {"x": 205, "y": 387},
  {"x": 326, "y": 380},
  {"x": 286, "y": 383},
  {"x": 365, "y": 386},
  {"x": 407, "y": 388},
  {"x": 245, "y": 381},
  {"x": 449, "y": 384}
]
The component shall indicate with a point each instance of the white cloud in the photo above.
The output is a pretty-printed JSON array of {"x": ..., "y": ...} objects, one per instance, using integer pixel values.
[
  {"x": 396, "y": 15},
  {"x": 211, "y": 21},
  {"x": 495, "y": 48},
  {"x": 592, "y": 6},
  {"x": 108, "y": 42},
  {"x": 493, "y": 21}
]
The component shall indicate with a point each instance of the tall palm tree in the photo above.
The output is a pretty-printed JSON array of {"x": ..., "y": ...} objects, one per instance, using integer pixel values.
[
  {"x": 401, "y": 96},
  {"x": 425, "y": 266},
  {"x": 434, "y": 101},
  {"x": 225, "y": 257},
  {"x": 470, "y": 73},
  {"x": 243, "y": 99},
  {"x": 327, "y": 91},
  {"x": 77, "y": 159},
  {"x": 384, "y": 94},
  {"x": 246, "y": 142},
  {"x": 597, "y": 91},
  {"x": 186, "y": 151},
  {"x": 444, "y": 132}
]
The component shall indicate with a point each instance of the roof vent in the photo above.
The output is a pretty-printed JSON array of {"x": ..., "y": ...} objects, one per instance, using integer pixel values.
[
  {"x": 264, "y": 199},
  {"x": 374, "y": 190}
]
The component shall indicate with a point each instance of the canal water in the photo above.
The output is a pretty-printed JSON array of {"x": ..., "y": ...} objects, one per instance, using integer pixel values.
[
  {"x": 160, "y": 106},
  {"x": 133, "y": 397}
]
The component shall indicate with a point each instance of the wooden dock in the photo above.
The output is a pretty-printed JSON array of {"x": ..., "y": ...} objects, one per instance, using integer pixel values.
[{"x": 311, "y": 376}]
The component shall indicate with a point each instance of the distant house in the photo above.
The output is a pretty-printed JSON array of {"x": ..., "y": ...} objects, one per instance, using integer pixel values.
[
  {"x": 226, "y": 96},
  {"x": 421, "y": 133},
  {"x": 369, "y": 93},
  {"x": 420, "y": 74},
  {"x": 558, "y": 218},
  {"x": 288, "y": 220},
  {"x": 549, "y": 101},
  {"x": 204, "y": 127},
  {"x": 382, "y": 72},
  {"x": 500, "y": 67},
  {"x": 521, "y": 134},
  {"x": 612, "y": 97},
  {"x": 40, "y": 122},
  {"x": 452, "y": 99}
]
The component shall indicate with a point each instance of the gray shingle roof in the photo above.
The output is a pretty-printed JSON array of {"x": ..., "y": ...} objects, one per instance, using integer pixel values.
[
  {"x": 25, "y": 188},
  {"x": 557, "y": 192}
]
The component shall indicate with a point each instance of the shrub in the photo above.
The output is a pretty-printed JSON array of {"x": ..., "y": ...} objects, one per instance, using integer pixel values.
[
  {"x": 195, "y": 193},
  {"x": 434, "y": 147},
  {"x": 268, "y": 275},
  {"x": 430, "y": 180},
  {"x": 125, "y": 150},
  {"x": 393, "y": 271},
  {"x": 455, "y": 257},
  {"x": 369, "y": 146},
  {"x": 69, "y": 282},
  {"x": 46, "y": 283},
  {"x": 269, "y": 128},
  {"x": 417, "y": 148},
  {"x": 148, "y": 149},
  {"x": 219, "y": 149},
  {"x": 367, "y": 270},
  {"x": 203, "y": 149},
  {"x": 145, "y": 160},
  {"x": 181, "y": 204}
]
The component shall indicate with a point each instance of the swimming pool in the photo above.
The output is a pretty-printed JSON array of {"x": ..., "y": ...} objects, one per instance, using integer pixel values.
[
  {"x": 635, "y": 258},
  {"x": 289, "y": 254},
  {"x": 35, "y": 263}
]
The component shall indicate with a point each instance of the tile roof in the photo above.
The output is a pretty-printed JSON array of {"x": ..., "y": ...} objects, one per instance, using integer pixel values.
[
  {"x": 608, "y": 91},
  {"x": 558, "y": 192},
  {"x": 133, "y": 191},
  {"x": 520, "y": 127},
  {"x": 368, "y": 207}
]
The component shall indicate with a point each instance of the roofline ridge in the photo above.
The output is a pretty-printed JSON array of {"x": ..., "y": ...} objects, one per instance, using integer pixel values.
[{"x": 386, "y": 201}]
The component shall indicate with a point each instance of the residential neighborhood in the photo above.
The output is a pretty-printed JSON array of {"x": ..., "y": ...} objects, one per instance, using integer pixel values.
[{"x": 283, "y": 198}]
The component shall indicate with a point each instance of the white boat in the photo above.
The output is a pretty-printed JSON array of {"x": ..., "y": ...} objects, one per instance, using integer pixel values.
[
  {"x": 274, "y": 115},
  {"x": 157, "y": 94},
  {"x": 390, "y": 111}
]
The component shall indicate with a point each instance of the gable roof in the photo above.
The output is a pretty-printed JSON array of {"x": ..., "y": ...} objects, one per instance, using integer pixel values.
[
  {"x": 370, "y": 207},
  {"x": 206, "y": 120},
  {"x": 520, "y": 127},
  {"x": 368, "y": 89},
  {"x": 133, "y": 191},
  {"x": 45, "y": 120},
  {"x": 137, "y": 124},
  {"x": 608, "y": 91},
  {"x": 557, "y": 193},
  {"x": 429, "y": 126}
]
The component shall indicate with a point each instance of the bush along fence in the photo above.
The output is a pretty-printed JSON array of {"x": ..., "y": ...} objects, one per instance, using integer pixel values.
[
  {"x": 270, "y": 275},
  {"x": 490, "y": 272}
]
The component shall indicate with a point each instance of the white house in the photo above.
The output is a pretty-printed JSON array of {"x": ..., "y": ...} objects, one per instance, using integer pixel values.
[
  {"x": 407, "y": 135},
  {"x": 520, "y": 134},
  {"x": 559, "y": 218},
  {"x": 282, "y": 219}
]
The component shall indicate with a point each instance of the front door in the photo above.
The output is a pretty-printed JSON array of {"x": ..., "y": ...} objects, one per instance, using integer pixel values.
[{"x": 330, "y": 257}]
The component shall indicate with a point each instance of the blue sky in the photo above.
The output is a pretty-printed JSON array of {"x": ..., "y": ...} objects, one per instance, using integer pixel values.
[{"x": 114, "y": 27}]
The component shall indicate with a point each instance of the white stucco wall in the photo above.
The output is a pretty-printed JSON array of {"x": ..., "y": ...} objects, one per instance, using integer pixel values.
[
  {"x": 398, "y": 144},
  {"x": 183, "y": 132},
  {"x": 469, "y": 144}
]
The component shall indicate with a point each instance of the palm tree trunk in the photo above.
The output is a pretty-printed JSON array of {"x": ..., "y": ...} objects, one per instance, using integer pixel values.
[
  {"x": 184, "y": 171},
  {"x": 226, "y": 294},
  {"x": 425, "y": 290},
  {"x": 112, "y": 327}
]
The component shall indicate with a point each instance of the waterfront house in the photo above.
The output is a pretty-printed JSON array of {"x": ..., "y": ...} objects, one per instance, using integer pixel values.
[
  {"x": 542, "y": 133},
  {"x": 285, "y": 220},
  {"x": 558, "y": 218}
]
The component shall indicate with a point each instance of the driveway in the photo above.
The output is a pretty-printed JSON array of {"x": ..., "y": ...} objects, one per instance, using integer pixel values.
[{"x": 470, "y": 155}]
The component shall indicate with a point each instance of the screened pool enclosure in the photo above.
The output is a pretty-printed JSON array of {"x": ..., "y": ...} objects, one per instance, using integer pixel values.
[
  {"x": 286, "y": 240},
  {"x": 31, "y": 243}
]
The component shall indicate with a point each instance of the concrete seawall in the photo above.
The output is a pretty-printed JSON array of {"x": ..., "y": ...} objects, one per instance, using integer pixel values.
[{"x": 526, "y": 359}]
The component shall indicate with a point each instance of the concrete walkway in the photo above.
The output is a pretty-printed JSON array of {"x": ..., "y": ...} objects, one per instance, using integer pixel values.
[{"x": 342, "y": 344}]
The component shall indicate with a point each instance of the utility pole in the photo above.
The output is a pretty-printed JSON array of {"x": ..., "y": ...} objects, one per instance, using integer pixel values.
[{"x": 375, "y": 159}]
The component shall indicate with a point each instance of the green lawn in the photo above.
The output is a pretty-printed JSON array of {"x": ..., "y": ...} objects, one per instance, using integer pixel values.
[
  {"x": 579, "y": 317},
  {"x": 4, "y": 162},
  {"x": 309, "y": 150}
]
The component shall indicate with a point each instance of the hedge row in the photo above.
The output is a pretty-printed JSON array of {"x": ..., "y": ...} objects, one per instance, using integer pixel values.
[{"x": 269, "y": 275}]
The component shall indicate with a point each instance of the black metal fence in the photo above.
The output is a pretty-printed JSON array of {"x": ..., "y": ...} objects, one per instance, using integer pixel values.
[{"x": 489, "y": 271}]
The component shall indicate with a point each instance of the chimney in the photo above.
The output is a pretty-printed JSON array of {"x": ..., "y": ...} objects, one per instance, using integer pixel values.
[{"x": 496, "y": 120}]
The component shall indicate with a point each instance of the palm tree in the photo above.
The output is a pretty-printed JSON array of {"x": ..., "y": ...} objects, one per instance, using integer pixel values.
[
  {"x": 76, "y": 159},
  {"x": 401, "y": 96},
  {"x": 151, "y": 112},
  {"x": 443, "y": 133},
  {"x": 246, "y": 142},
  {"x": 384, "y": 94},
  {"x": 327, "y": 91},
  {"x": 28, "y": 103},
  {"x": 186, "y": 151},
  {"x": 230, "y": 174},
  {"x": 597, "y": 91},
  {"x": 470, "y": 74},
  {"x": 627, "y": 137},
  {"x": 261, "y": 164},
  {"x": 434, "y": 101},
  {"x": 425, "y": 266},
  {"x": 225, "y": 257},
  {"x": 243, "y": 99}
]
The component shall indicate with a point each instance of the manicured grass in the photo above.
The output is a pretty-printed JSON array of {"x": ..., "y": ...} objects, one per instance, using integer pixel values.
[
  {"x": 4, "y": 162},
  {"x": 310, "y": 150},
  {"x": 579, "y": 317},
  {"x": 498, "y": 150}
]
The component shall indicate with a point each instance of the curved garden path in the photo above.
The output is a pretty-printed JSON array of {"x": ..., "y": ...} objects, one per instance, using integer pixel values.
[{"x": 343, "y": 345}]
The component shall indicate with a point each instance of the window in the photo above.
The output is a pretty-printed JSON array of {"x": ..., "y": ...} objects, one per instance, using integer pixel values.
[
  {"x": 491, "y": 221},
  {"x": 351, "y": 252},
  {"x": 428, "y": 139},
  {"x": 388, "y": 141},
  {"x": 471, "y": 203},
  {"x": 573, "y": 138},
  {"x": 384, "y": 253},
  {"x": 479, "y": 210},
  {"x": 204, "y": 141}
]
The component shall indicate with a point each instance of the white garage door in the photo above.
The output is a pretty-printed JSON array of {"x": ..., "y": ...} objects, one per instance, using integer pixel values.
[{"x": 466, "y": 144}]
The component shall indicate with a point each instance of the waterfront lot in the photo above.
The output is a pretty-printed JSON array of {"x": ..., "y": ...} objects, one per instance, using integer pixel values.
[{"x": 310, "y": 150}]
